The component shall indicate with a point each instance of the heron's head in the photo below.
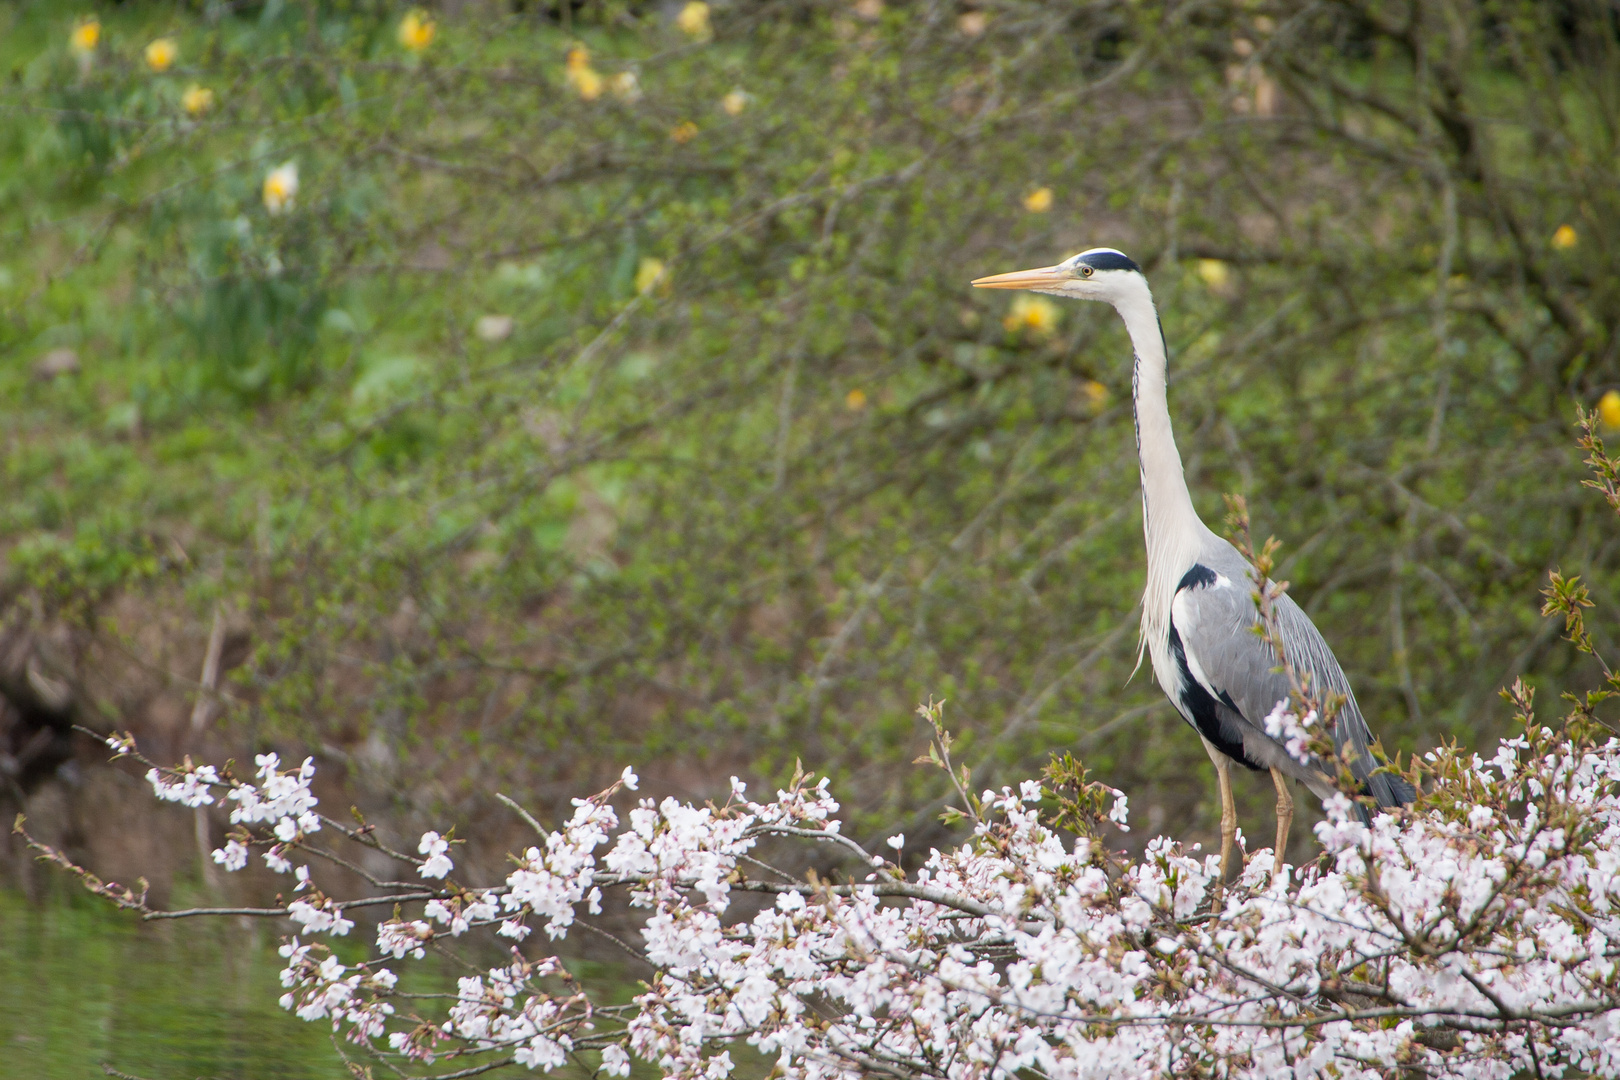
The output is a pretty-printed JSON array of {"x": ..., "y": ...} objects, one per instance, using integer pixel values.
[{"x": 1098, "y": 274}]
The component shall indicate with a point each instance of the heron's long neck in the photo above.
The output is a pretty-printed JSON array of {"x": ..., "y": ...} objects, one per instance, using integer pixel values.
[
  {"x": 1173, "y": 530},
  {"x": 1166, "y": 503}
]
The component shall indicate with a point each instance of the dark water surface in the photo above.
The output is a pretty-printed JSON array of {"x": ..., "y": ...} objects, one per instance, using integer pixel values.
[{"x": 82, "y": 985}]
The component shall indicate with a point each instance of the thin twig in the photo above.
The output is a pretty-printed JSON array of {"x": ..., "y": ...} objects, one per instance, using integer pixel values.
[{"x": 529, "y": 818}]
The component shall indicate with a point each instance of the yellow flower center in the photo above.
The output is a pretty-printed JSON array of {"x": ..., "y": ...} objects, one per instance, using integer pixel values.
[
  {"x": 280, "y": 185},
  {"x": 86, "y": 33},
  {"x": 416, "y": 30}
]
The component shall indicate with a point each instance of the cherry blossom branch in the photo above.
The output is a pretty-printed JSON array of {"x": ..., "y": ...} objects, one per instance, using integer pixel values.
[
  {"x": 281, "y": 912},
  {"x": 1454, "y": 936}
]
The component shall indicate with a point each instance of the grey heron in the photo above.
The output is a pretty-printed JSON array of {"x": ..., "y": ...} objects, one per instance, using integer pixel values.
[{"x": 1199, "y": 610}]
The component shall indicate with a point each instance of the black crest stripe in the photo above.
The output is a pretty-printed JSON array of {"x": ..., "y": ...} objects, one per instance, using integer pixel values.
[{"x": 1110, "y": 260}]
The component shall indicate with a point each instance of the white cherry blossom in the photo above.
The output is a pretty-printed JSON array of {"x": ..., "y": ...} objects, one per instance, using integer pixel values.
[{"x": 1473, "y": 936}]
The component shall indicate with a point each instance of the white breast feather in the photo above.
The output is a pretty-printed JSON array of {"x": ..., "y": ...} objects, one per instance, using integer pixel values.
[{"x": 1183, "y": 615}]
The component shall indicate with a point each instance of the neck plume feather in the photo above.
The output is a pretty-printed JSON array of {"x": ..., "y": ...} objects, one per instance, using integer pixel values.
[{"x": 1173, "y": 529}]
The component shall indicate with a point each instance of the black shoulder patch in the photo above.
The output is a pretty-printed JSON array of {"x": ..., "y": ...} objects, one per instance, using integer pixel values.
[
  {"x": 1111, "y": 260},
  {"x": 1199, "y": 577}
]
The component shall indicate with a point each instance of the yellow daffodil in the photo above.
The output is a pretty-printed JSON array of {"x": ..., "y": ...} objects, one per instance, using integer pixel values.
[
  {"x": 683, "y": 132},
  {"x": 855, "y": 400},
  {"x": 1036, "y": 314},
  {"x": 734, "y": 103},
  {"x": 972, "y": 23},
  {"x": 197, "y": 99},
  {"x": 1215, "y": 273},
  {"x": 1564, "y": 238},
  {"x": 280, "y": 187},
  {"x": 1609, "y": 409},
  {"x": 86, "y": 34},
  {"x": 650, "y": 274},
  {"x": 694, "y": 20},
  {"x": 417, "y": 30},
  {"x": 587, "y": 82},
  {"x": 1038, "y": 201},
  {"x": 161, "y": 54},
  {"x": 580, "y": 75},
  {"x": 625, "y": 86}
]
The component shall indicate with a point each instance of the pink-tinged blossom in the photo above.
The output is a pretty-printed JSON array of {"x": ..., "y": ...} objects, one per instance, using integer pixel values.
[
  {"x": 1120, "y": 812},
  {"x": 398, "y": 938},
  {"x": 282, "y": 799},
  {"x": 1292, "y": 730},
  {"x": 438, "y": 862},
  {"x": 322, "y": 918},
  {"x": 189, "y": 787},
  {"x": 233, "y": 856},
  {"x": 459, "y": 913},
  {"x": 615, "y": 1062}
]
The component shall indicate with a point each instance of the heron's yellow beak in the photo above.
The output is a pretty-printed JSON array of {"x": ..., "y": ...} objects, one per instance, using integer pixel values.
[{"x": 1044, "y": 278}]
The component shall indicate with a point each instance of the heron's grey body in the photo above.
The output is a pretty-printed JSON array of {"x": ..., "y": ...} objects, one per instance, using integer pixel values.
[
  {"x": 1225, "y": 680},
  {"x": 1198, "y": 608}
]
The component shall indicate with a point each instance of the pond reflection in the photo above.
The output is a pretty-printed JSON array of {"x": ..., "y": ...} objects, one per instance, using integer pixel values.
[{"x": 83, "y": 985}]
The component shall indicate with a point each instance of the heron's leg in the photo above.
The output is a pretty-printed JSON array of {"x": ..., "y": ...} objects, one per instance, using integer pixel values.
[
  {"x": 1285, "y": 818},
  {"x": 1223, "y": 773}
]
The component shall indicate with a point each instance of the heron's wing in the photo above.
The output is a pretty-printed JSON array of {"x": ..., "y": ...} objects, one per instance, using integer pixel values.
[
  {"x": 1310, "y": 656},
  {"x": 1214, "y": 615}
]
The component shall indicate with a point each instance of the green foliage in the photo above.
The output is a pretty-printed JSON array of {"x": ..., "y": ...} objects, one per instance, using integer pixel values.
[
  {"x": 79, "y": 571},
  {"x": 807, "y": 478}
]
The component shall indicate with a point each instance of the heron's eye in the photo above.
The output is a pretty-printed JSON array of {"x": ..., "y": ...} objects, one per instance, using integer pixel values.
[{"x": 1086, "y": 271}]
